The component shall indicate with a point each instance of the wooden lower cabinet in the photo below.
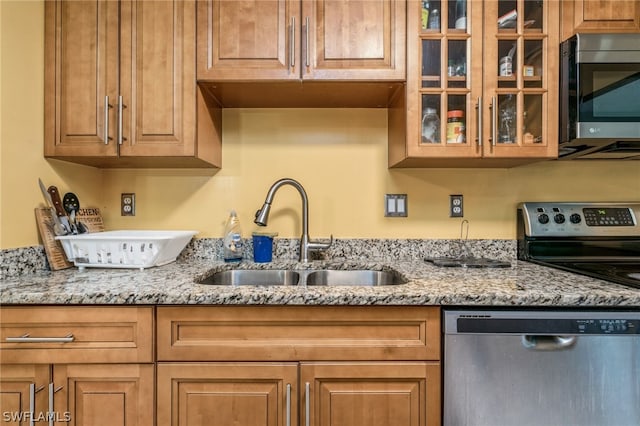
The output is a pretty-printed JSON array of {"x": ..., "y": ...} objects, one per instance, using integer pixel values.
[
  {"x": 370, "y": 393},
  {"x": 221, "y": 394},
  {"x": 18, "y": 396},
  {"x": 105, "y": 394},
  {"x": 77, "y": 365},
  {"x": 289, "y": 366},
  {"x": 78, "y": 394},
  {"x": 281, "y": 394}
]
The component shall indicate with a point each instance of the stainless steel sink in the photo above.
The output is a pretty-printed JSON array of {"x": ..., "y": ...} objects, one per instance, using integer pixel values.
[
  {"x": 321, "y": 277},
  {"x": 353, "y": 278},
  {"x": 259, "y": 277}
]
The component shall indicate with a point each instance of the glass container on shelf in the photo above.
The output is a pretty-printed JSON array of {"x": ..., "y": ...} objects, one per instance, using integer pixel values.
[
  {"x": 430, "y": 126},
  {"x": 507, "y": 60},
  {"x": 434, "y": 19},
  {"x": 507, "y": 118},
  {"x": 430, "y": 133},
  {"x": 456, "y": 119},
  {"x": 456, "y": 129},
  {"x": 424, "y": 15},
  {"x": 460, "y": 15}
]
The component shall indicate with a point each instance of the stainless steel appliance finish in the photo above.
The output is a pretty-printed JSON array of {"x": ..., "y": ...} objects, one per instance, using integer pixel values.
[
  {"x": 599, "y": 92},
  {"x": 601, "y": 240},
  {"x": 541, "y": 368}
]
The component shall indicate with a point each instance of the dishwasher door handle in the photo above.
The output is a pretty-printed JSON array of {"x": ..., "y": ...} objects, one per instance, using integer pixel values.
[{"x": 548, "y": 343}]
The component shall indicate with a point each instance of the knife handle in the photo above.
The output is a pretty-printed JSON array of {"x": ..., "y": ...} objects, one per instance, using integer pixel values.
[{"x": 57, "y": 203}]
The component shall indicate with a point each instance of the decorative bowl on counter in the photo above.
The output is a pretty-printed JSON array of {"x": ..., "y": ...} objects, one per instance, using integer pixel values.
[{"x": 125, "y": 249}]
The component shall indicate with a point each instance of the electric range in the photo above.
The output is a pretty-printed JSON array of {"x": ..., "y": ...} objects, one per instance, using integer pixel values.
[{"x": 601, "y": 240}]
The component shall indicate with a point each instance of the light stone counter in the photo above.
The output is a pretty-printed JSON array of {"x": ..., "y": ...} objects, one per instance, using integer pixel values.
[
  {"x": 523, "y": 284},
  {"x": 26, "y": 280}
]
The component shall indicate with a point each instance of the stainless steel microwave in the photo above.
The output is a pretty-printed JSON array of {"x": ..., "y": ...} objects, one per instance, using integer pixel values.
[{"x": 600, "y": 97}]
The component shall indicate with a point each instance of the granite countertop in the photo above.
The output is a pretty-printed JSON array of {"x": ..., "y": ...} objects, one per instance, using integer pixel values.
[{"x": 522, "y": 284}]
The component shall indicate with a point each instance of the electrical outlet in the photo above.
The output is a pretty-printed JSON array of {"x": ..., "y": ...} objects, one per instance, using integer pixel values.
[
  {"x": 455, "y": 206},
  {"x": 128, "y": 204}
]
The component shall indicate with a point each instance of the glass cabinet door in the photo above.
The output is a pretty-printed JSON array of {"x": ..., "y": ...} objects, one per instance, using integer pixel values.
[
  {"x": 520, "y": 52},
  {"x": 448, "y": 89},
  {"x": 482, "y": 83}
]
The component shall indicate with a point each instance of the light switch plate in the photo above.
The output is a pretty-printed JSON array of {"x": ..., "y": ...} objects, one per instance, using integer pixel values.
[{"x": 395, "y": 205}]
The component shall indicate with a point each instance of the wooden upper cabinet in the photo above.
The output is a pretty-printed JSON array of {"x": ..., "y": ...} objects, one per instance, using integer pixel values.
[
  {"x": 600, "y": 16},
  {"x": 461, "y": 109},
  {"x": 120, "y": 87},
  {"x": 301, "y": 39},
  {"x": 248, "y": 40},
  {"x": 157, "y": 78},
  {"x": 81, "y": 77},
  {"x": 355, "y": 39}
]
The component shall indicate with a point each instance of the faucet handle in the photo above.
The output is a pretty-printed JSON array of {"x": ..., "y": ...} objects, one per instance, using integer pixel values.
[{"x": 317, "y": 245}]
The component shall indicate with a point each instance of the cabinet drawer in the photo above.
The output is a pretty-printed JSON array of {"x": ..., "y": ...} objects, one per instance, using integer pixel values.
[
  {"x": 57, "y": 334},
  {"x": 294, "y": 333}
]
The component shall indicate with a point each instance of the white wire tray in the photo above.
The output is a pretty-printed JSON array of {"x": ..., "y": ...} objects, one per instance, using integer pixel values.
[{"x": 125, "y": 249}]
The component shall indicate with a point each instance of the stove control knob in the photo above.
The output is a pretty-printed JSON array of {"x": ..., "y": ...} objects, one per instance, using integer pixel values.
[
  {"x": 559, "y": 218},
  {"x": 575, "y": 218},
  {"x": 543, "y": 218}
]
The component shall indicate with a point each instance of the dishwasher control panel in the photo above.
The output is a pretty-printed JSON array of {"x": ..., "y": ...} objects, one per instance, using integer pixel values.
[{"x": 542, "y": 323}]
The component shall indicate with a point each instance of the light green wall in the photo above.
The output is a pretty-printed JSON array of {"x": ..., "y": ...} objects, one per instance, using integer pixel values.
[{"x": 339, "y": 155}]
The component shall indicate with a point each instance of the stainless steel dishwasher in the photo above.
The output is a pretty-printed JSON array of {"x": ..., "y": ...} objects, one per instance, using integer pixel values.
[{"x": 541, "y": 368}]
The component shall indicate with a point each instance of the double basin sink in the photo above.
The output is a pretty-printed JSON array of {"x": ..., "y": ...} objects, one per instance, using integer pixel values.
[{"x": 289, "y": 277}]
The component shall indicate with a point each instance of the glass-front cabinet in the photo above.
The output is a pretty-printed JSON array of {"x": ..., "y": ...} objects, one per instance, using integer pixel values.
[{"x": 482, "y": 81}]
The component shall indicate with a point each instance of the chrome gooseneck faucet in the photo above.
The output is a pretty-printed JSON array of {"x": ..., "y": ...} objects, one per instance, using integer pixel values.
[{"x": 306, "y": 245}]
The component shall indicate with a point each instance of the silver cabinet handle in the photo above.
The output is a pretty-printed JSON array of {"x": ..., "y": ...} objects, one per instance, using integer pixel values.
[
  {"x": 51, "y": 392},
  {"x": 27, "y": 339},
  {"x": 548, "y": 343},
  {"x": 494, "y": 121},
  {"x": 121, "y": 106},
  {"x": 307, "y": 404},
  {"x": 209, "y": 35},
  {"x": 288, "y": 404},
  {"x": 106, "y": 120},
  {"x": 292, "y": 42},
  {"x": 479, "y": 116},
  {"x": 307, "y": 41},
  {"x": 32, "y": 403}
]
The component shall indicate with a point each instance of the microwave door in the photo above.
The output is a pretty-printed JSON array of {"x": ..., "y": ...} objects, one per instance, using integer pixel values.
[{"x": 608, "y": 93}]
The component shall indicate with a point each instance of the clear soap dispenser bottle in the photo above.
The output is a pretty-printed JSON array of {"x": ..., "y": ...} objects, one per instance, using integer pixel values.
[{"x": 232, "y": 243}]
